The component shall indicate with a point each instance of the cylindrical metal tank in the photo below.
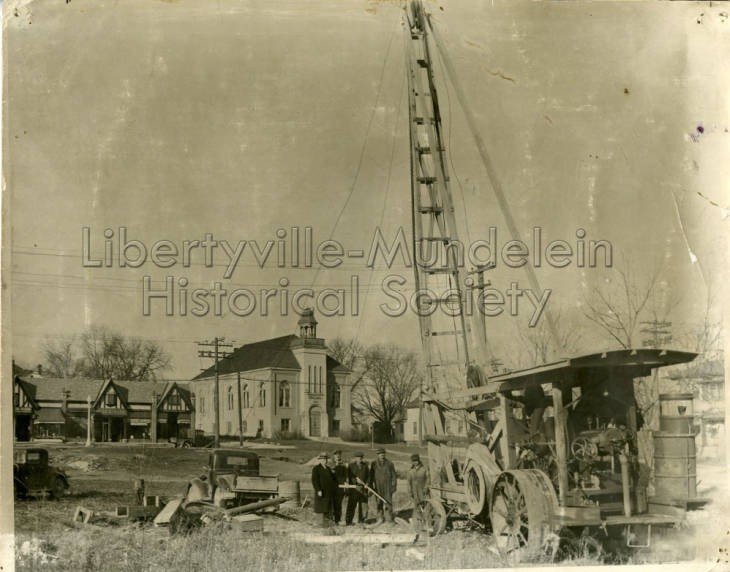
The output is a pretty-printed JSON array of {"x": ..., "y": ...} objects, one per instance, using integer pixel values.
[
  {"x": 676, "y": 413},
  {"x": 675, "y": 456},
  {"x": 675, "y": 465}
]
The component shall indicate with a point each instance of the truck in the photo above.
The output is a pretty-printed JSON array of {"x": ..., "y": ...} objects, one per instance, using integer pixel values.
[{"x": 232, "y": 478}]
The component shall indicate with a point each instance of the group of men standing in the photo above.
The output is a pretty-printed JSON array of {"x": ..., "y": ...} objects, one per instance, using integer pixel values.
[{"x": 335, "y": 482}]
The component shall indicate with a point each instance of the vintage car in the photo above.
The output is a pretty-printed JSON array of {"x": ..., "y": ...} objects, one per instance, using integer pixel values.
[{"x": 33, "y": 476}]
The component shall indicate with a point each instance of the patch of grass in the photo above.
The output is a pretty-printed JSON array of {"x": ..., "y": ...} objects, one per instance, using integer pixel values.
[{"x": 132, "y": 548}]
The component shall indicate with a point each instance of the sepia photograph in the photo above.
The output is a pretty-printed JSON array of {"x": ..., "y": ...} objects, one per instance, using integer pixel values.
[{"x": 364, "y": 285}]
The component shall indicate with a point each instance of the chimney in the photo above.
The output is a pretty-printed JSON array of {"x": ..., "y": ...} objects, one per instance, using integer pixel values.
[
  {"x": 153, "y": 417},
  {"x": 40, "y": 369}
]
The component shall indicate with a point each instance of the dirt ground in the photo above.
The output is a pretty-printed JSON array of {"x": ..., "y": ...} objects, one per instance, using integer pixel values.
[{"x": 102, "y": 478}]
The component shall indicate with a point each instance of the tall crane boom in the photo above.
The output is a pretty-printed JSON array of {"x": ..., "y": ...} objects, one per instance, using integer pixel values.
[{"x": 454, "y": 343}]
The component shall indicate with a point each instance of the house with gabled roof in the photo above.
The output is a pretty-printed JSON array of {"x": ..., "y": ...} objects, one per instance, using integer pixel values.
[
  {"x": 281, "y": 385},
  {"x": 61, "y": 408}
]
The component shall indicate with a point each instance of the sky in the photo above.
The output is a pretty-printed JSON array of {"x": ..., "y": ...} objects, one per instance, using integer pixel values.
[{"x": 178, "y": 119}]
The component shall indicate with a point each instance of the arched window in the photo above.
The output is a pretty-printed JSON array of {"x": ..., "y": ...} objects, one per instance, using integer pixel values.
[
  {"x": 309, "y": 378},
  {"x": 320, "y": 380},
  {"x": 284, "y": 394},
  {"x": 262, "y": 395},
  {"x": 245, "y": 397},
  {"x": 230, "y": 398}
]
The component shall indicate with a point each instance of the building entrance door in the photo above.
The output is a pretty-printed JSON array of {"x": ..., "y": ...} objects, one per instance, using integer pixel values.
[{"x": 315, "y": 422}]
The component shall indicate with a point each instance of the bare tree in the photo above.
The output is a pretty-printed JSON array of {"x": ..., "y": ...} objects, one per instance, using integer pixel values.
[
  {"x": 61, "y": 358},
  {"x": 538, "y": 346},
  {"x": 393, "y": 379},
  {"x": 351, "y": 354},
  {"x": 705, "y": 337},
  {"x": 100, "y": 353},
  {"x": 617, "y": 307}
]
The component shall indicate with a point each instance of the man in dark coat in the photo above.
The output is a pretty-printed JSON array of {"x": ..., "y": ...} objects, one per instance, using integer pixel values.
[
  {"x": 342, "y": 476},
  {"x": 325, "y": 488},
  {"x": 358, "y": 497},
  {"x": 383, "y": 480},
  {"x": 417, "y": 486}
]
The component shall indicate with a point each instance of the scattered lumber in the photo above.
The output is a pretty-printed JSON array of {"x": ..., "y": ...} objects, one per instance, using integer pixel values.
[
  {"x": 164, "y": 517},
  {"x": 379, "y": 538}
]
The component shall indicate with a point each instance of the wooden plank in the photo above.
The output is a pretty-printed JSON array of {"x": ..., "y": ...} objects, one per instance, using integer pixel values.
[
  {"x": 257, "y": 484},
  {"x": 508, "y": 453},
  {"x": 166, "y": 514},
  {"x": 493, "y": 437},
  {"x": 375, "y": 538},
  {"x": 429, "y": 425},
  {"x": 561, "y": 443},
  {"x": 641, "y": 519}
]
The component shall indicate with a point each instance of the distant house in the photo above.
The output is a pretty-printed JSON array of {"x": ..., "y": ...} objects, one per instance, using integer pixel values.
[
  {"x": 284, "y": 384},
  {"x": 412, "y": 424},
  {"x": 454, "y": 423},
  {"x": 119, "y": 410}
]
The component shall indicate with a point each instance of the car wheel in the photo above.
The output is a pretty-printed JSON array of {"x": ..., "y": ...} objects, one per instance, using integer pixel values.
[{"x": 58, "y": 489}]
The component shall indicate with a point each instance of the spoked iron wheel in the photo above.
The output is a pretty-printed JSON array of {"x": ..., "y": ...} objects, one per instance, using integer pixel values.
[
  {"x": 510, "y": 521},
  {"x": 434, "y": 517},
  {"x": 522, "y": 502}
]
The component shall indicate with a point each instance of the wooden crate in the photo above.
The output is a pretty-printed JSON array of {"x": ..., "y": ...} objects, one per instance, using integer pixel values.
[{"x": 247, "y": 523}]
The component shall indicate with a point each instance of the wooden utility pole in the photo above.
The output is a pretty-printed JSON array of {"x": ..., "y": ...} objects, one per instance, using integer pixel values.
[
  {"x": 240, "y": 412},
  {"x": 217, "y": 353},
  {"x": 88, "y": 421}
]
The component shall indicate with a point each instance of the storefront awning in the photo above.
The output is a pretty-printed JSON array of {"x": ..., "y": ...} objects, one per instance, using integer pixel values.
[{"x": 46, "y": 415}]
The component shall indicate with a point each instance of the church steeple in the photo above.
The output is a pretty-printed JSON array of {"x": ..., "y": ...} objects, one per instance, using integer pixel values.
[{"x": 307, "y": 324}]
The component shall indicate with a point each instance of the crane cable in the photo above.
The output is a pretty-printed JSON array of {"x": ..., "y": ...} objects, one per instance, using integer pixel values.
[{"x": 491, "y": 174}]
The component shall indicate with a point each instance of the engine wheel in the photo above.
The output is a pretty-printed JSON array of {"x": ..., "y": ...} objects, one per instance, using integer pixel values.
[
  {"x": 434, "y": 516},
  {"x": 520, "y": 513},
  {"x": 583, "y": 449}
]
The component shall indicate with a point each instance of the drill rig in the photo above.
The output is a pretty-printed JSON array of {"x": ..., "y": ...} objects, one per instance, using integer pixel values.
[{"x": 547, "y": 450}]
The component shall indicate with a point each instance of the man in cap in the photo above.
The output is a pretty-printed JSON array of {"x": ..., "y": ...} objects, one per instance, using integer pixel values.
[
  {"x": 417, "y": 486},
  {"x": 342, "y": 476},
  {"x": 383, "y": 480},
  {"x": 325, "y": 488},
  {"x": 358, "y": 497}
]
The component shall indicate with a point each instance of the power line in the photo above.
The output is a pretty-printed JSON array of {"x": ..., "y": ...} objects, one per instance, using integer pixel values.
[
  {"x": 361, "y": 159},
  {"x": 270, "y": 266}
]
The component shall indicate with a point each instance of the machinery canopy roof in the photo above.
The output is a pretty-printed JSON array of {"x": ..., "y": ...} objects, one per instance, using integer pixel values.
[{"x": 634, "y": 362}]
